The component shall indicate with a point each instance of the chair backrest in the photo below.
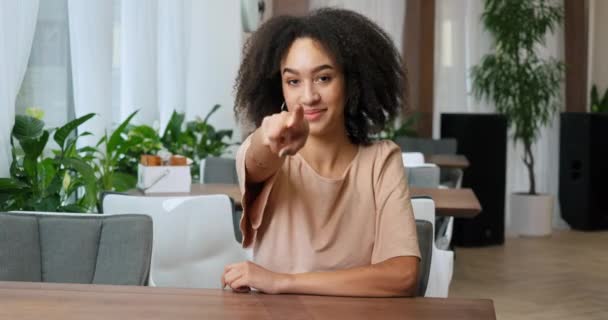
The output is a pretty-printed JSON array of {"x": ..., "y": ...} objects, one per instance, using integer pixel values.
[
  {"x": 193, "y": 237},
  {"x": 218, "y": 170},
  {"x": 423, "y": 177},
  {"x": 412, "y": 159},
  {"x": 427, "y": 145},
  {"x": 75, "y": 248},
  {"x": 424, "y": 229},
  {"x": 442, "y": 261}
]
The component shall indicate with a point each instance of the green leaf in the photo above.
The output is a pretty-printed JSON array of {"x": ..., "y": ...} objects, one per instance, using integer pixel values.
[
  {"x": 115, "y": 138},
  {"x": 72, "y": 208},
  {"x": 145, "y": 131},
  {"x": 604, "y": 102},
  {"x": 33, "y": 147},
  {"x": 174, "y": 128},
  {"x": 87, "y": 149},
  {"x": 48, "y": 204},
  {"x": 9, "y": 184},
  {"x": 123, "y": 181},
  {"x": 27, "y": 127},
  {"x": 212, "y": 111},
  {"x": 30, "y": 166},
  {"x": 81, "y": 167},
  {"x": 46, "y": 173},
  {"x": 595, "y": 97},
  {"x": 62, "y": 133}
]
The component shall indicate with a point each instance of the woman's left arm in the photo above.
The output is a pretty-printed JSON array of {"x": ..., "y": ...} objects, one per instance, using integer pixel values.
[{"x": 393, "y": 277}]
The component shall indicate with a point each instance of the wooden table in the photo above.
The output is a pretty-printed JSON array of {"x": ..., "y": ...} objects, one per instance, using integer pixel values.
[
  {"x": 26, "y": 300},
  {"x": 457, "y": 161},
  {"x": 459, "y": 203}
]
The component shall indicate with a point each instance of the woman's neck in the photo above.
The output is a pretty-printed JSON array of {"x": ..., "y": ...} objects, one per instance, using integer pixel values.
[{"x": 329, "y": 157}]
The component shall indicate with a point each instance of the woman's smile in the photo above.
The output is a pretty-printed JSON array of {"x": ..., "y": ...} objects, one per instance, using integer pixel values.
[{"x": 313, "y": 114}]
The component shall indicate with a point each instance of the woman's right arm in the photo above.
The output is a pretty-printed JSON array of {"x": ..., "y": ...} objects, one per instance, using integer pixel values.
[{"x": 280, "y": 134}]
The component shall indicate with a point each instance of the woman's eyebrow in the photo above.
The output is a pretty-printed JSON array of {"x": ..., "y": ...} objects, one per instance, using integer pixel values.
[{"x": 316, "y": 69}]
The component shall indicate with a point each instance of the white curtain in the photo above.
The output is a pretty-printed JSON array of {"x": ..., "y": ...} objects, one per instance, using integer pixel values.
[
  {"x": 90, "y": 27},
  {"x": 388, "y": 14},
  {"x": 167, "y": 55},
  {"x": 213, "y": 55},
  {"x": 460, "y": 43},
  {"x": 173, "y": 28},
  {"x": 138, "y": 55},
  {"x": 17, "y": 25}
]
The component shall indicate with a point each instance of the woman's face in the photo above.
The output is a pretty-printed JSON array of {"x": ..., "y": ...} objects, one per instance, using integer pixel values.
[{"x": 311, "y": 78}]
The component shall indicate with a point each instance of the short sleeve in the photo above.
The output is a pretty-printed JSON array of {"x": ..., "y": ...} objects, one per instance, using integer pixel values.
[
  {"x": 395, "y": 224},
  {"x": 254, "y": 197}
]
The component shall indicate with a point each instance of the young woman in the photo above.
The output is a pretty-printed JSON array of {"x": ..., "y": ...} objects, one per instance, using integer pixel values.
[{"x": 326, "y": 209}]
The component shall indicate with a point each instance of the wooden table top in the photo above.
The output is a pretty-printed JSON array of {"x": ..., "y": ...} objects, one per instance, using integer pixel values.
[
  {"x": 27, "y": 300},
  {"x": 460, "y": 203},
  {"x": 457, "y": 161}
]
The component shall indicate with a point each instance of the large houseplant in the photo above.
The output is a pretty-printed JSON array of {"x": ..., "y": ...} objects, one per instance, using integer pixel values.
[
  {"x": 196, "y": 139},
  {"x": 524, "y": 87},
  {"x": 63, "y": 181}
]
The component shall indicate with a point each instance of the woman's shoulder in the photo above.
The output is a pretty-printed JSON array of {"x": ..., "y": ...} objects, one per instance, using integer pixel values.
[
  {"x": 380, "y": 150},
  {"x": 381, "y": 158}
]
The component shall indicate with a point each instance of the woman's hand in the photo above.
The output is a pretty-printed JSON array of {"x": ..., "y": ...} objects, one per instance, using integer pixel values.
[
  {"x": 285, "y": 133},
  {"x": 243, "y": 276}
]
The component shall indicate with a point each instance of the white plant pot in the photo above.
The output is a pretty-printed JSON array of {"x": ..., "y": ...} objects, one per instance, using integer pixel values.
[{"x": 532, "y": 215}]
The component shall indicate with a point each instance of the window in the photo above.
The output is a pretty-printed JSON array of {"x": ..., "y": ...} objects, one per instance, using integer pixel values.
[{"x": 47, "y": 82}]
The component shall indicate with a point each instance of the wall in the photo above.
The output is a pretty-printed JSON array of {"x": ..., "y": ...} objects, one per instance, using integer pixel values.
[{"x": 598, "y": 68}]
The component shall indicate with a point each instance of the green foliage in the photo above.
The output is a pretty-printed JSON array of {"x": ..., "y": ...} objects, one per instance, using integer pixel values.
[
  {"x": 141, "y": 139},
  {"x": 105, "y": 159},
  {"x": 72, "y": 179},
  {"x": 43, "y": 183},
  {"x": 407, "y": 128},
  {"x": 195, "y": 139},
  {"x": 597, "y": 104},
  {"x": 522, "y": 85}
]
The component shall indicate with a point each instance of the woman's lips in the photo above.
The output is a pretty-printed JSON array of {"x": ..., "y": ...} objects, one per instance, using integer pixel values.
[{"x": 313, "y": 114}]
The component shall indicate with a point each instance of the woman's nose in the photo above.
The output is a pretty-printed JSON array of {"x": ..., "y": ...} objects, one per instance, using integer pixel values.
[{"x": 309, "y": 95}]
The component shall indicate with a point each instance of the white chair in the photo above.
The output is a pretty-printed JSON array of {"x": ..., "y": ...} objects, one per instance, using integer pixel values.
[
  {"x": 442, "y": 261},
  {"x": 193, "y": 237},
  {"x": 412, "y": 159},
  {"x": 427, "y": 175}
]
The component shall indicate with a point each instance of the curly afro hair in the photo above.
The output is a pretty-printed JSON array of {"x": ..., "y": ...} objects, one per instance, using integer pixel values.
[{"x": 375, "y": 78}]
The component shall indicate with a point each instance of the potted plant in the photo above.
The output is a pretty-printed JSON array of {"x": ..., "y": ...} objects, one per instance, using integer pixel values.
[
  {"x": 196, "y": 139},
  {"x": 597, "y": 104},
  {"x": 525, "y": 88},
  {"x": 39, "y": 182}
]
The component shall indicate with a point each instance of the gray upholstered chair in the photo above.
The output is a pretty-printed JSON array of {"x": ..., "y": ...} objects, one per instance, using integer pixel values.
[
  {"x": 218, "y": 170},
  {"x": 448, "y": 177},
  {"x": 428, "y": 145},
  {"x": 423, "y": 177},
  {"x": 442, "y": 261},
  {"x": 75, "y": 248},
  {"x": 424, "y": 229}
]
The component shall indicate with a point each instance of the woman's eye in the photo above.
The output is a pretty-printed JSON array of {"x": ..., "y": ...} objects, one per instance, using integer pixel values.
[
  {"x": 324, "y": 79},
  {"x": 293, "y": 82}
]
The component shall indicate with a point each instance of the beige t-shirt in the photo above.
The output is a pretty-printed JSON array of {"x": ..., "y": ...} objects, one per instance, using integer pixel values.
[{"x": 303, "y": 222}]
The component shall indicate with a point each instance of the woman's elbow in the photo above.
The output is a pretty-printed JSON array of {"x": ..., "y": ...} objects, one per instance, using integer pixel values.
[
  {"x": 405, "y": 277},
  {"x": 406, "y": 284}
]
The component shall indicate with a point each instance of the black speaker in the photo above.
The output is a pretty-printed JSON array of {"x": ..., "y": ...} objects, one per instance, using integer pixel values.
[
  {"x": 583, "y": 170},
  {"x": 482, "y": 138}
]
